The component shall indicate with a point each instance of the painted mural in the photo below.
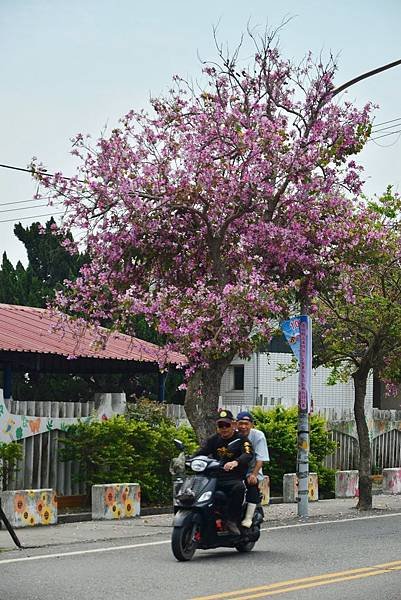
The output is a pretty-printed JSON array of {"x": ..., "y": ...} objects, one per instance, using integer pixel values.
[
  {"x": 15, "y": 427},
  {"x": 392, "y": 481},
  {"x": 116, "y": 501},
  {"x": 26, "y": 508},
  {"x": 347, "y": 484}
]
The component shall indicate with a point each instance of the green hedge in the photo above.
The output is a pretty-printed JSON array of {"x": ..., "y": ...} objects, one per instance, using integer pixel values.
[
  {"x": 10, "y": 454},
  {"x": 280, "y": 428},
  {"x": 136, "y": 447}
]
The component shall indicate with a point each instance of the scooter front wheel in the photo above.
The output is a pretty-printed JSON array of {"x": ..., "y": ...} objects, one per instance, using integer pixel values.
[{"x": 183, "y": 544}]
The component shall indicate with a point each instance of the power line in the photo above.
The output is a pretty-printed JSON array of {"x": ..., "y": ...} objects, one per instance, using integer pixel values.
[
  {"x": 385, "y": 135},
  {"x": 27, "y": 208},
  {"x": 397, "y": 139},
  {"x": 385, "y": 122},
  {"x": 33, "y": 172},
  {"x": 385, "y": 128},
  {"x": 44, "y": 171},
  {"x": 31, "y": 217},
  {"x": 20, "y": 201}
]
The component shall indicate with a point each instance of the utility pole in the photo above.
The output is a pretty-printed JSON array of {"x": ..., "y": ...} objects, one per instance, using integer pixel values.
[
  {"x": 304, "y": 409},
  {"x": 298, "y": 333}
]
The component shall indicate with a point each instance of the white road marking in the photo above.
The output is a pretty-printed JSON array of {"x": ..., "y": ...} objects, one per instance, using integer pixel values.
[
  {"x": 324, "y": 522},
  {"x": 161, "y": 542},
  {"x": 79, "y": 552}
]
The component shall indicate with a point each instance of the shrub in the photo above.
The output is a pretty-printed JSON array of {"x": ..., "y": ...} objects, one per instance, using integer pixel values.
[
  {"x": 10, "y": 454},
  {"x": 280, "y": 428},
  {"x": 327, "y": 481},
  {"x": 136, "y": 447}
]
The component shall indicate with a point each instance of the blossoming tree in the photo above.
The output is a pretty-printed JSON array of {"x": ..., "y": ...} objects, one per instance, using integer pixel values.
[
  {"x": 206, "y": 214},
  {"x": 360, "y": 317}
]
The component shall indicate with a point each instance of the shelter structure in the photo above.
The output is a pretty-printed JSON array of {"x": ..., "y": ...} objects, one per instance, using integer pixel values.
[{"x": 36, "y": 340}]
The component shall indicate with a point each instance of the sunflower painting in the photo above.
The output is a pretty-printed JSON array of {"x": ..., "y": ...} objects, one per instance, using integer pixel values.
[
  {"x": 115, "y": 501},
  {"x": 25, "y": 508}
]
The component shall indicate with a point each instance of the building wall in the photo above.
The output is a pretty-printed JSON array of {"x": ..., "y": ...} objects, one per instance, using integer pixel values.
[{"x": 261, "y": 385}]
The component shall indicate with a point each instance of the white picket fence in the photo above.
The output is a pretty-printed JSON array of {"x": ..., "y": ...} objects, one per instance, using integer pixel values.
[{"x": 40, "y": 467}]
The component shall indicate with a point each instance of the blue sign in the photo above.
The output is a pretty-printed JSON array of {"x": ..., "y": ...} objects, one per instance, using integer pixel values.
[{"x": 298, "y": 333}]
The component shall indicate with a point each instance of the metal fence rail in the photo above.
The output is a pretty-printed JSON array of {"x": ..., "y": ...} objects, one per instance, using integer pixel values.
[
  {"x": 40, "y": 467},
  {"x": 346, "y": 455},
  {"x": 385, "y": 448}
]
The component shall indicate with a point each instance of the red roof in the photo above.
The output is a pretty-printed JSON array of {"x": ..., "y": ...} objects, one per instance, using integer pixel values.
[{"x": 28, "y": 329}]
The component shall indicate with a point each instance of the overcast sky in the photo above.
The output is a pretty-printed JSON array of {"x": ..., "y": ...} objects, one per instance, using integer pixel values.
[{"x": 76, "y": 66}]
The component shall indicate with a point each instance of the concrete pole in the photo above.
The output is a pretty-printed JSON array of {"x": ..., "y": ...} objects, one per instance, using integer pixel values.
[
  {"x": 304, "y": 404},
  {"x": 303, "y": 464}
]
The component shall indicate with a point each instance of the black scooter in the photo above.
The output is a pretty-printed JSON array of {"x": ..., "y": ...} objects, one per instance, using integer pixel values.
[{"x": 200, "y": 510}]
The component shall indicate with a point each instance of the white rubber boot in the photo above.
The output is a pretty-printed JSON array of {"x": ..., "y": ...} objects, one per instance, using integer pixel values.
[{"x": 250, "y": 509}]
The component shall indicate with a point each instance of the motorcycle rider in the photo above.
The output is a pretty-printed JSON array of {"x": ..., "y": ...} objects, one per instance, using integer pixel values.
[
  {"x": 235, "y": 462},
  {"x": 245, "y": 426}
]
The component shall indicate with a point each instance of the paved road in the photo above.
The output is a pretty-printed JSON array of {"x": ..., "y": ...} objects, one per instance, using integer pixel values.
[{"x": 326, "y": 560}]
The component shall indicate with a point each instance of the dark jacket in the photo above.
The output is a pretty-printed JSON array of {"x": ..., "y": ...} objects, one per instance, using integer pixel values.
[{"x": 217, "y": 448}]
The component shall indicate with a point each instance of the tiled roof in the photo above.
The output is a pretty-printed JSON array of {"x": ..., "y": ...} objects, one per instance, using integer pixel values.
[{"x": 27, "y": 329}]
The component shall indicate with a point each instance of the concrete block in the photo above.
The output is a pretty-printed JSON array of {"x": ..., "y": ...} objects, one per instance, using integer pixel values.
[
  {"x": 116, "y": 501},
  {"x": 392, "y": 481},
  {"x": 264, "y": 489},
  {"x": 26, "y": 508},
  {"x": 347, "y": 484},
  {"x": 290, "y": 487}
]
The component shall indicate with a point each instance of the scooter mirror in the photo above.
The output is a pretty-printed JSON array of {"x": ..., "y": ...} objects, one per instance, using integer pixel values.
[{"x": 179, "y": 445}]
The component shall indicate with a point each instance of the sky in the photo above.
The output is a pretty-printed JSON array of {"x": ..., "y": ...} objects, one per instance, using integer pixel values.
[{"x": 79, "y": 66}]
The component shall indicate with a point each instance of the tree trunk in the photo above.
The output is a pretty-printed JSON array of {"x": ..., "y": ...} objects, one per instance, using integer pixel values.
[
  {"x": 365, "y": 482},
  {"x": 202, "y": 398}
]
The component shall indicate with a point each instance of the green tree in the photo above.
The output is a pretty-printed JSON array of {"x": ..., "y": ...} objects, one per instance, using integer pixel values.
[
  {"x": 49, "y": 264},
  {"x": 360, "y": 327},
  {"x": 49, "y": 261},
  {"x": 19, "y": 285}
]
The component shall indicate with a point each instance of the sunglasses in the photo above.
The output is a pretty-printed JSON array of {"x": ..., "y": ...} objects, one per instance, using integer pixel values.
[{"x": 223, "y": 425}]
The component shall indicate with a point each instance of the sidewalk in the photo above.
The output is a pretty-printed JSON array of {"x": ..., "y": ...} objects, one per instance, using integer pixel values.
[{"x": 144, "y": 528}]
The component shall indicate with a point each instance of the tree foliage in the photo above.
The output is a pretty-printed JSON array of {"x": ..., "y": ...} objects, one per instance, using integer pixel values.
[
  {"x": 49, "y": 264},
  {"x": 207, "y": 215},
  {"x": 361, "y": 319}
]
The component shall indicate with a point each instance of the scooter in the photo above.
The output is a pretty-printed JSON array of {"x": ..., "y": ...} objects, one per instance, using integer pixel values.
[{"x": 200, "y": 511}]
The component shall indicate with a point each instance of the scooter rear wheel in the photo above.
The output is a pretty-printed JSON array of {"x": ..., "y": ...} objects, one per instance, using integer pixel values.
[
  {"x": 183, "y": 544},
  {"x": 245, "y": 547}
]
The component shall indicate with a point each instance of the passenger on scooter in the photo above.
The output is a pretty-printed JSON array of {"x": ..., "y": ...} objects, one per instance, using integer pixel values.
[
  {"x": 254, "y": 475},
  {"x": 235, "y": 462}
]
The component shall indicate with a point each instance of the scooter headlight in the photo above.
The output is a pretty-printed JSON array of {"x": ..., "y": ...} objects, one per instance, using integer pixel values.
[
  {"x": 205, "y": 497},
  {"x": 198, "y": 465}
]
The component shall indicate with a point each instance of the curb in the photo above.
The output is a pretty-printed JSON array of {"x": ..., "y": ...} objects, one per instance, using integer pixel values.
[
  {"x": 145, "y": 512},
  {"x": 87, "y": 516}
]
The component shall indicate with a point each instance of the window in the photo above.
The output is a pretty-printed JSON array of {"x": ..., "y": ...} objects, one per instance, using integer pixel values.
[{"x": 239, "y": 377}]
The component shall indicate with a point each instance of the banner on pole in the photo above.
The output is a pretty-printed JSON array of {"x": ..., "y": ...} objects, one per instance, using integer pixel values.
[{"x": 298, "y": 333}]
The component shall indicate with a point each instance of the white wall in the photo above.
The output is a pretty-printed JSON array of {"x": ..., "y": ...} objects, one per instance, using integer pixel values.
[{"x": 261, "y": 386}]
